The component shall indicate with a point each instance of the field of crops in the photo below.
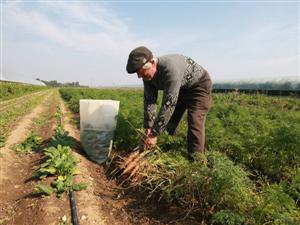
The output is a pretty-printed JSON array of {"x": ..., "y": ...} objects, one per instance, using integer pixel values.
[
  {"x": 15, "y": 101},
  {"x": 10, "y": 90},
  {"x": 249, "y": 174}
]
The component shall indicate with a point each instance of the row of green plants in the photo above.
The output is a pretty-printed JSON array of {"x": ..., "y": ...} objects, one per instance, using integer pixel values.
[
  {"x": 34, "y": 141},
  {"x": 58, "y": 161},
  {"x": 10, "y": 114},
  {"x": 9, "y": 90},
  {"x": 249, "y": 173}
]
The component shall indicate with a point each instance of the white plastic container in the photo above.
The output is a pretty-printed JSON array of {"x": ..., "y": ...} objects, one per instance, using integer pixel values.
[{"x": 97, "y": 125}]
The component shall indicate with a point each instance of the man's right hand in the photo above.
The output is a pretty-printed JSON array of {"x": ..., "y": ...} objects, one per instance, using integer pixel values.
[
  {"x": 147, "y": 131},
  {"x": 149, "y": 140}
]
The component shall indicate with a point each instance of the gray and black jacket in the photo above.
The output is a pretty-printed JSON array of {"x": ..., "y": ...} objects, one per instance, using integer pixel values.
[{"x": 174, "y": 72}]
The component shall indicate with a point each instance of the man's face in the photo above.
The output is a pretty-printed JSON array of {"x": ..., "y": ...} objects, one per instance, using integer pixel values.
[{"x": 147, "y": 74}]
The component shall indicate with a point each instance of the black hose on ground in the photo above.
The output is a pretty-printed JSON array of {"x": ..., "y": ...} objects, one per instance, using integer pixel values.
[{"x": 74, "y": 216}]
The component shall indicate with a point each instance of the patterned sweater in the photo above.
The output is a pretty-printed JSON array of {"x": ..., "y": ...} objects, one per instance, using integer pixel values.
[{"x": 174, "y": 72}]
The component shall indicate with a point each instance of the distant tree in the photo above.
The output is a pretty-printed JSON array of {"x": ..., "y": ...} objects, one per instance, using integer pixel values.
[{"x": 54, "y": 83}]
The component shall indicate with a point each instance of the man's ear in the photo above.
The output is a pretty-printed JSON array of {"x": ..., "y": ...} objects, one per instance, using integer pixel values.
[{"x": 153, "y": 61}]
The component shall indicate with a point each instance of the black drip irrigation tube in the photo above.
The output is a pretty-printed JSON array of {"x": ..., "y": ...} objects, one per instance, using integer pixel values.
[{"x": 74, "y": 216}]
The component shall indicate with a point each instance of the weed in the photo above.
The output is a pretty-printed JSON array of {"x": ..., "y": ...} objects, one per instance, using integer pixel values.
[{"x": 2, "y": 141}]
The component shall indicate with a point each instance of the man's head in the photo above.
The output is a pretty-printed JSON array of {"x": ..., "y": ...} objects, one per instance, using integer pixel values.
[{"x": 141, "y": 61}]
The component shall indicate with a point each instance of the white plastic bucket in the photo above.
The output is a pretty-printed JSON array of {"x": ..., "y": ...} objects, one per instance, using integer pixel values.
[{"x": 97, "y": 125}]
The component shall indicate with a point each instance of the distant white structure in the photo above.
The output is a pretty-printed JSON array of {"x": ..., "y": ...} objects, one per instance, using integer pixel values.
[
  {"x": 275, "y": 79},
  {"x": 25, "y": 80}
]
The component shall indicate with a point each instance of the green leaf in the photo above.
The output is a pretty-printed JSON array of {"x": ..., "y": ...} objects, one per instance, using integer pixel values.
[
  {"x": 50, "y": 170},
  {"x": 2, "y": 141},
  {"x": 45, "y": 189},
  {"x": 79, "y": 187}
]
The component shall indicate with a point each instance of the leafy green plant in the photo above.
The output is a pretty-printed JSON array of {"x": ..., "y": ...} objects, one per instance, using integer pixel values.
[
  {"x": 30, "y": 144},
  {"x": 65, "y": 184},
  {"x": 59, "y": 161},
  {"x": 61, "y": 185},
  {"x": 58, "y": 115},
  {"x": 61, "y": 137}
]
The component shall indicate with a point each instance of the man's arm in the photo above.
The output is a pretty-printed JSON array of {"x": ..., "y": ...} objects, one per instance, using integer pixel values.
[
  {"x": 150, "y": 99},
  {"x": 170, "y": 98}
]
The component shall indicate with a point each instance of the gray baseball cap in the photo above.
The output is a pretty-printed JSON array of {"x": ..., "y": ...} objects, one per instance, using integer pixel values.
[{"x": 137, "y": 58}]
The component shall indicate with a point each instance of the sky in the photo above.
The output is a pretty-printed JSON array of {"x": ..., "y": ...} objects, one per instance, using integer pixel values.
[{"x": 89, "y": 41}]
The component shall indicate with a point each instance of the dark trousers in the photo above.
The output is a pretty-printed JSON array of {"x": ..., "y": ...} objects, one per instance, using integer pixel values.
[{"x": 197, "y": 101}]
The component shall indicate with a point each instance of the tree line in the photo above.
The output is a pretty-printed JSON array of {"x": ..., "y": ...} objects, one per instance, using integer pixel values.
[
  {"x": 55, "y": 83},
  {"x": 289, "y": 86}
]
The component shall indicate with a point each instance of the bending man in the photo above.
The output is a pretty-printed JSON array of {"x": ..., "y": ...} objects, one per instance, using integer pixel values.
[{"x": 186, "y": 86}]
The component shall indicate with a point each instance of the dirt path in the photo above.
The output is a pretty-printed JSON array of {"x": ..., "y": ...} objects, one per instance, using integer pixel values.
[
  {"x": 18, "y": 204},
  {"x": 18, "y": 135},
  {"x": 14, "y": 169},
  {"x": 96, "y": 204}
]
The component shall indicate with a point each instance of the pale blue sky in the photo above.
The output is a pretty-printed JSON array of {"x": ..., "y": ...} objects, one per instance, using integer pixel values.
[{"x": 89, "y": 41}]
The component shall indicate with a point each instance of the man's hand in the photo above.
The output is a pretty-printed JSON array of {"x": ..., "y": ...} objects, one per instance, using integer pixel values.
[
  {"x": 147, "y": 131},
  {"x": 149, "y": 139}
]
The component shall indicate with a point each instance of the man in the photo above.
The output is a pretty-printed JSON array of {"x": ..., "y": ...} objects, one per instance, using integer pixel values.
[{"x": 185, "y": 85}]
